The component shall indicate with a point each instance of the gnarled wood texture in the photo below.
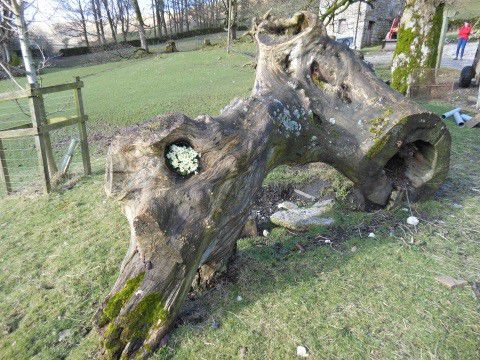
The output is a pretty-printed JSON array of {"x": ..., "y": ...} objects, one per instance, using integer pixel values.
[{"x": 314, "y": 100}]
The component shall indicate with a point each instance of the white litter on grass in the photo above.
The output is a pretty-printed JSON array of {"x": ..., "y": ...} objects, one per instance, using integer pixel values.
[
  {"x": 239, "y": 298},
  {"x": 265, "y": 233},
  {"x": 371, "y": 235},
  {"x": 302, "y": 351},
  {"x": 328, "y": 241},
  {"x": 412, "y": 220}
]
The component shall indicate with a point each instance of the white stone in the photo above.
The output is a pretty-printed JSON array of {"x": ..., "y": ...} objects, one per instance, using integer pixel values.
[
  {"x": 302, "y": 351},
  {"x": 287, "y": 205},
  {"x": 371, "y": 235},
  {"x": 239, "y": 298},
  {"x": 332, "y": 121},
  {"x": 412, "y": 220},
  {"x": 265, "y": 233},
  {"x": 303, "y": 219}
]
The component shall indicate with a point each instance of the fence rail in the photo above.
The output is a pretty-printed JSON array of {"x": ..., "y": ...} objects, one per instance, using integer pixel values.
[{"x": 40, "y": 125}]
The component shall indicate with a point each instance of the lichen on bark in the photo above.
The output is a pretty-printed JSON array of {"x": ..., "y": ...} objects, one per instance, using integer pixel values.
[{"x": 417, "y": 45}]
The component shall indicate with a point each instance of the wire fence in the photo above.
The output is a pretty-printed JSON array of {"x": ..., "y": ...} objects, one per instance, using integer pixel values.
[{"x": 19, "y": 155}]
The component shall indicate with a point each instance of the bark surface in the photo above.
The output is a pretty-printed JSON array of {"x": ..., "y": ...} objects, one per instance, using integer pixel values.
[
  {"x": 417, "y": 44},
  {"x": 314, "y": 100}
]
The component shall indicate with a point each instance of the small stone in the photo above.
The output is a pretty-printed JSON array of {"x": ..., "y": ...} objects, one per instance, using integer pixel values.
[
  {"x": 215, "y": 324},
  {"x": 64, "y": 334},
  {"x": 265, "y": 233},
  {"x": 332, "y": 121},
  {"x": 242, "y": 353},
  {"x": 353, "y": 249},
  {"x": 371, "y": 235},
  {"x": 302, "y": 351},
  {"x": 287, "y": 205},
  {"x": 239, "y": 298},
  {"x": 412, "y": 220},
  {"x": 457, "y": 206},
  {"x": 451, "y": 282},
  {"x": 328, "y": 241}
]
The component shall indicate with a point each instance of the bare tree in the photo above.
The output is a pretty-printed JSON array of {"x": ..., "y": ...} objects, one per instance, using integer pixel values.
[
  {"x": 141, "y": 25},
  {"x": 110, "y": 20},
  {"x": 123, "y": 16},
  {"x": 75, "y": 13},
  {"x": 19, "y": 26}
]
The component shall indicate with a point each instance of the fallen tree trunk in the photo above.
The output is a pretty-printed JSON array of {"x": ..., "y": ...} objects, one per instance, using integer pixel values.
[{"x": 187, "y": 185}]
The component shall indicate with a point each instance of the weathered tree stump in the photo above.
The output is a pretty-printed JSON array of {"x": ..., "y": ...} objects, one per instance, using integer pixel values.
[
  {"x": 171, "y": 47},
  {"x": 187, "y": 185}
]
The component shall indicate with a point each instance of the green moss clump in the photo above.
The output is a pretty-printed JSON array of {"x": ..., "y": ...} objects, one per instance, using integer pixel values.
[
  {"x": 135, "y": 325},
  {"x": 378, "y": 145},
  {"x": 414, "y": 56},
  {"x": 116, "y": 302},
  {"x": 404, "y": 43},
  {"x": 146, "y": 314}
]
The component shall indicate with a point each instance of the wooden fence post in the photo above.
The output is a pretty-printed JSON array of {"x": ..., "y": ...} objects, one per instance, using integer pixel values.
[
  {"x": 52, "y": 165},
  {"x": 82, "y": 129},
  {"x": 4, "y": 170},
  {"x": 37, "y": 122}
]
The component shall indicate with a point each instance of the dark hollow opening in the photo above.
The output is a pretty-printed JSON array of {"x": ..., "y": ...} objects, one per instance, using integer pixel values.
[{"x": 411, "y": 166}]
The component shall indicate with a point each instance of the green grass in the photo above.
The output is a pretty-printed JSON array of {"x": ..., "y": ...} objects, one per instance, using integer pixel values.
[{"x": 60, "y": 253}]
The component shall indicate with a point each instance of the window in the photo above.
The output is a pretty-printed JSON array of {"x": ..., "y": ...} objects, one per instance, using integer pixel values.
[{"x": 342, "y": 26}]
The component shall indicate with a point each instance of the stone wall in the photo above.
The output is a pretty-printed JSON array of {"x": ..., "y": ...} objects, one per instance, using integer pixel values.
[{"x": 373, "y": 23}]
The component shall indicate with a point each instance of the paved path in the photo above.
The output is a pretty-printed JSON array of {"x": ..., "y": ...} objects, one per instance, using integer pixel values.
[{"x": 384, "y": 58}]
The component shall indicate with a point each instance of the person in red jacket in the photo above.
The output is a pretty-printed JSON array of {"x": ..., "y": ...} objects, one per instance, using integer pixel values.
[{"x": 463, "y": 35}]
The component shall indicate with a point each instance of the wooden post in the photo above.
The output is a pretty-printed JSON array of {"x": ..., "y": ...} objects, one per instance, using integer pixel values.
[
  {"x": 52, "y": 165},
  {"x": 4, "y": 170},
  {"x": 441, "y": 43},
  {"x": 82, "y": 128},
  {"x": 37, "y": 122}
]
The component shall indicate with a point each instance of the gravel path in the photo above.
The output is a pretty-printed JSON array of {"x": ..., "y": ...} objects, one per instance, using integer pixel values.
[{"x": 384, "y": 58}]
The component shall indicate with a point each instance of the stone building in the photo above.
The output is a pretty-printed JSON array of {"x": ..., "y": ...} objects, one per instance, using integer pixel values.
[{"x": 362, "y": 25}]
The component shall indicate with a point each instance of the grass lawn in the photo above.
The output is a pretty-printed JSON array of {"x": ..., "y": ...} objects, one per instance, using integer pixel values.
[{"x": 59, "y": 254}]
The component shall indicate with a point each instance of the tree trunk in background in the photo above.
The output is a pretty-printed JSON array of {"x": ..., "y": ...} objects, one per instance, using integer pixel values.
[
  {"x": 417, "y": 44},
  {"x": 7, "y": 57},
  {"x": 154, "y": 17},
  {"x": 314, "y": 100},
  {"x": 234, "y": 19},
  {"x": 96, "y": 20},
  {"x": 100, "y": 21},
  {"x": 110, "y": 21},
  {"x": 141, "y": 25},
  {"x": 186, "y": 15},
  {"x": 84, "y": 24},
  {"x": 25, "y": 47}
]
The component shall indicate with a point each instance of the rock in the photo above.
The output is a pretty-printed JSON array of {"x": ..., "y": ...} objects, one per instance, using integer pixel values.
[
  {"x": 325, "y": 204},
  {"x": 354, "y": 249},
  {"x": 451, "y": 282},
  {"x": 304, "y": 194},
  {"x": 412, "y": 220},
  {"x": 239, "y": 298},
  {"x": 242, "y": 353},
  {"x": 215, "y": 324},
  {"x": 64, "y": 334},
  {"x": 476, "y": 289},
  {"x": 301, "y": 219},
  {"x": 371, "y": 235},
  {"x": 302, "y": 351},
  {"x": 287, "y": 205},
  {"x": 265, "y": 233}
]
